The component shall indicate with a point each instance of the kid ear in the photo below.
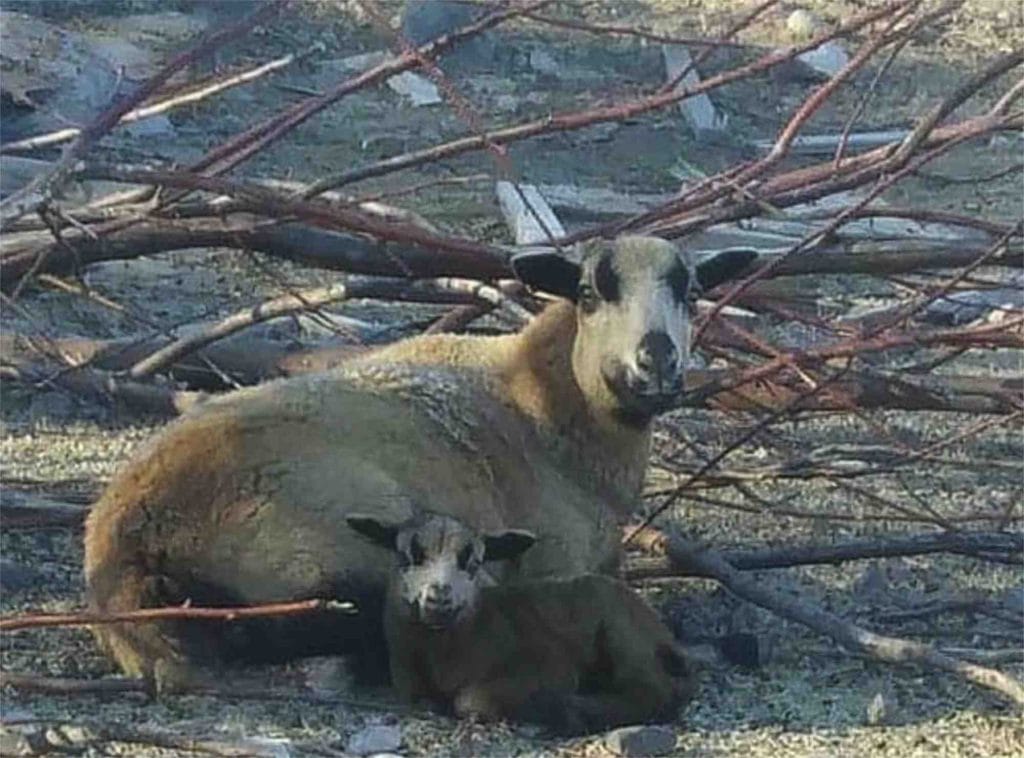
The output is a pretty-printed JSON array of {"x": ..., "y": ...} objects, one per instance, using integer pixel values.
[
  {"x": 375, "y": 530},
  {"x": 507, "y": 545},
  {"x": 723, "y": 266}
]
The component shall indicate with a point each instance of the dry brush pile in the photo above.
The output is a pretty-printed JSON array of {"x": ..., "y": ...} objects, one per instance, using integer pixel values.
[{"x": 954, "y": 280}]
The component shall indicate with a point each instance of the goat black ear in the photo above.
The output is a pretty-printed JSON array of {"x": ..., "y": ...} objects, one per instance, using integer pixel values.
[
  {"x": 507, "y": 545},
  {"x": 723, "y": 266},
  {"x": 374, "y": 529},
  {"x": 548, "y": 272}
]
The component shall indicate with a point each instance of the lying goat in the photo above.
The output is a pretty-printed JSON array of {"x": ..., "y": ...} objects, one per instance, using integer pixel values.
[{"x": 575, "y": 655}]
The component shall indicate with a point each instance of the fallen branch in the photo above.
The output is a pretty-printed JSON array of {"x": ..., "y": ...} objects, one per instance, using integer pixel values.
[
  {"x": 879, "y": 647},
  {"x": 51, "y": 685},
  {"x": 104, "y": 386},
  {"x": 428, "y": 255},
  {"x": 419, "y": 290},
  {"x": 762, "y": 508},
  {"x": 97, "y": 366},
  {"x": 20, "y": 510},
  {"x": 86, "y": 735},
  {"x": 860, "y": 389},
  {"x": 301, "y": 243},
  {"x": 883, "y": 546},
  {"x": 296, "y": 608}
]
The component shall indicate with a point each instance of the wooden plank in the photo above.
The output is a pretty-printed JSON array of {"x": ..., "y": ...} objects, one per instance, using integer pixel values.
[
  {"x": 826, "y": 144},
  {"x": 522, "y": 217},
  {"x": 698, "y": 110}
]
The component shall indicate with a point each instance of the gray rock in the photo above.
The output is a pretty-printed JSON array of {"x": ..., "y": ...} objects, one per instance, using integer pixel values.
[
  {"x": 641, "y": 740},
  {"x": 376, "y": 738},
  {"x": 11, "y": 715},
  {"x": 52, "y": 405},
  {"x": 155, "y": 126},
  {"x": 14, "y": 743},
  {"x": 60, "y": 77},
  {"x": 543, "y": 62},
  {"x": 424, "y": 20}
]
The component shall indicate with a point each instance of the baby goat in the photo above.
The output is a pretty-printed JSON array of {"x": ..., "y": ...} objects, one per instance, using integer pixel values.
[{"x": 575, "y": 655}]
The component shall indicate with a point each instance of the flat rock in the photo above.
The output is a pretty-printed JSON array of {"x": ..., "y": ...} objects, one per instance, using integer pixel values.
[
  {"x": 10, "y": 715},
  {"x": 377, "y": 738},
  {"x": 826, "y": 59},
  {"x": 419, "y": 90},
  {"x": 641, "y": 740},
  {"x": 698, "y": 110},
  {"x": 528, "y": 215},
  {"x": 425, "y": 20},
  {"x": 544, "y": 62}
]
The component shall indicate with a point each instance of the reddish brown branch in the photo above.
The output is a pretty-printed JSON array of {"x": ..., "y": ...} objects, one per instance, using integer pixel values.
[
  {"x": 296, "y": 608},
  {"x": 630, "y": 31},
  {"x": 303, "y": 243},
  {"x": 341, "y": 251},
  {"x": 865, "y": 548}
]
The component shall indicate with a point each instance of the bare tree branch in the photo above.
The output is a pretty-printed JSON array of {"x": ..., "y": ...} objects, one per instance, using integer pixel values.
[
  {"x": 877, "y": 546},
  {"x": 35, "y": 620}
]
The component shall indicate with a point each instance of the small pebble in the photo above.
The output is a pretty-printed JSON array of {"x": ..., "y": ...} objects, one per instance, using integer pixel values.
[
  {"x": 641, "y": 740},
  {"x": 378, "y": 738},
  {"x": 803, "y": 24}
]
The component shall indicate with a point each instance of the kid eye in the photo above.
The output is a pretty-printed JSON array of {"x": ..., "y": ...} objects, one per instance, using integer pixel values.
[{"x": 416, "y": 554}]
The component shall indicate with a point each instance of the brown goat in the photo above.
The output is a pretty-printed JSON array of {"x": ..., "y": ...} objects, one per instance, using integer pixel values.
[
  {"x": 576, "y": 655},
  {"x": 244, "y": 499}
]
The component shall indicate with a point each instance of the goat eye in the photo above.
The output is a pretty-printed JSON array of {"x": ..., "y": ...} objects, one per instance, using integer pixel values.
[
  {"x": 416, "y": 554},
  {"x": 679, "y": 280},
  {"x": 465, "y": 558},
  {"x": 586, "y": 298}
]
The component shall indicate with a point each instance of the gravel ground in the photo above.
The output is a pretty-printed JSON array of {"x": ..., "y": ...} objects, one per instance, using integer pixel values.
[{"x": 809, "y": 698}]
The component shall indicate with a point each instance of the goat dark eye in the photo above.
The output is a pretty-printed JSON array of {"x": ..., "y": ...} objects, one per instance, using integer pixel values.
[
  {"x": 679, "y": 280},
  {"x": 586, "y": 298},
  {"x": 465, "y": 558},
  {"x": 416, "y": 554}
]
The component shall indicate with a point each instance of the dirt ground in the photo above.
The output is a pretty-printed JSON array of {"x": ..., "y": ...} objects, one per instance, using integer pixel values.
[{"x": 809, "y": 698}]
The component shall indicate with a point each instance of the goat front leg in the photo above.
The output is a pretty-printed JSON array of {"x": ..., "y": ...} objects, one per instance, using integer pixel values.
[
  {"x": 498, "y": 699},
  {"x": 524, "y": 699}
]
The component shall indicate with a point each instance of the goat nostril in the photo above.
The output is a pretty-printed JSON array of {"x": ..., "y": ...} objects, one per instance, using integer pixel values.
[
  {"x": 438, "y": 594},
  {"x": 644, "y": 361}
]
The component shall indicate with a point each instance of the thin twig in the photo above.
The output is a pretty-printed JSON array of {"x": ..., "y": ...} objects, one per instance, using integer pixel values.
[
  {"x": 865, "y": 548},
  {"x": 296, "y": 608}
]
